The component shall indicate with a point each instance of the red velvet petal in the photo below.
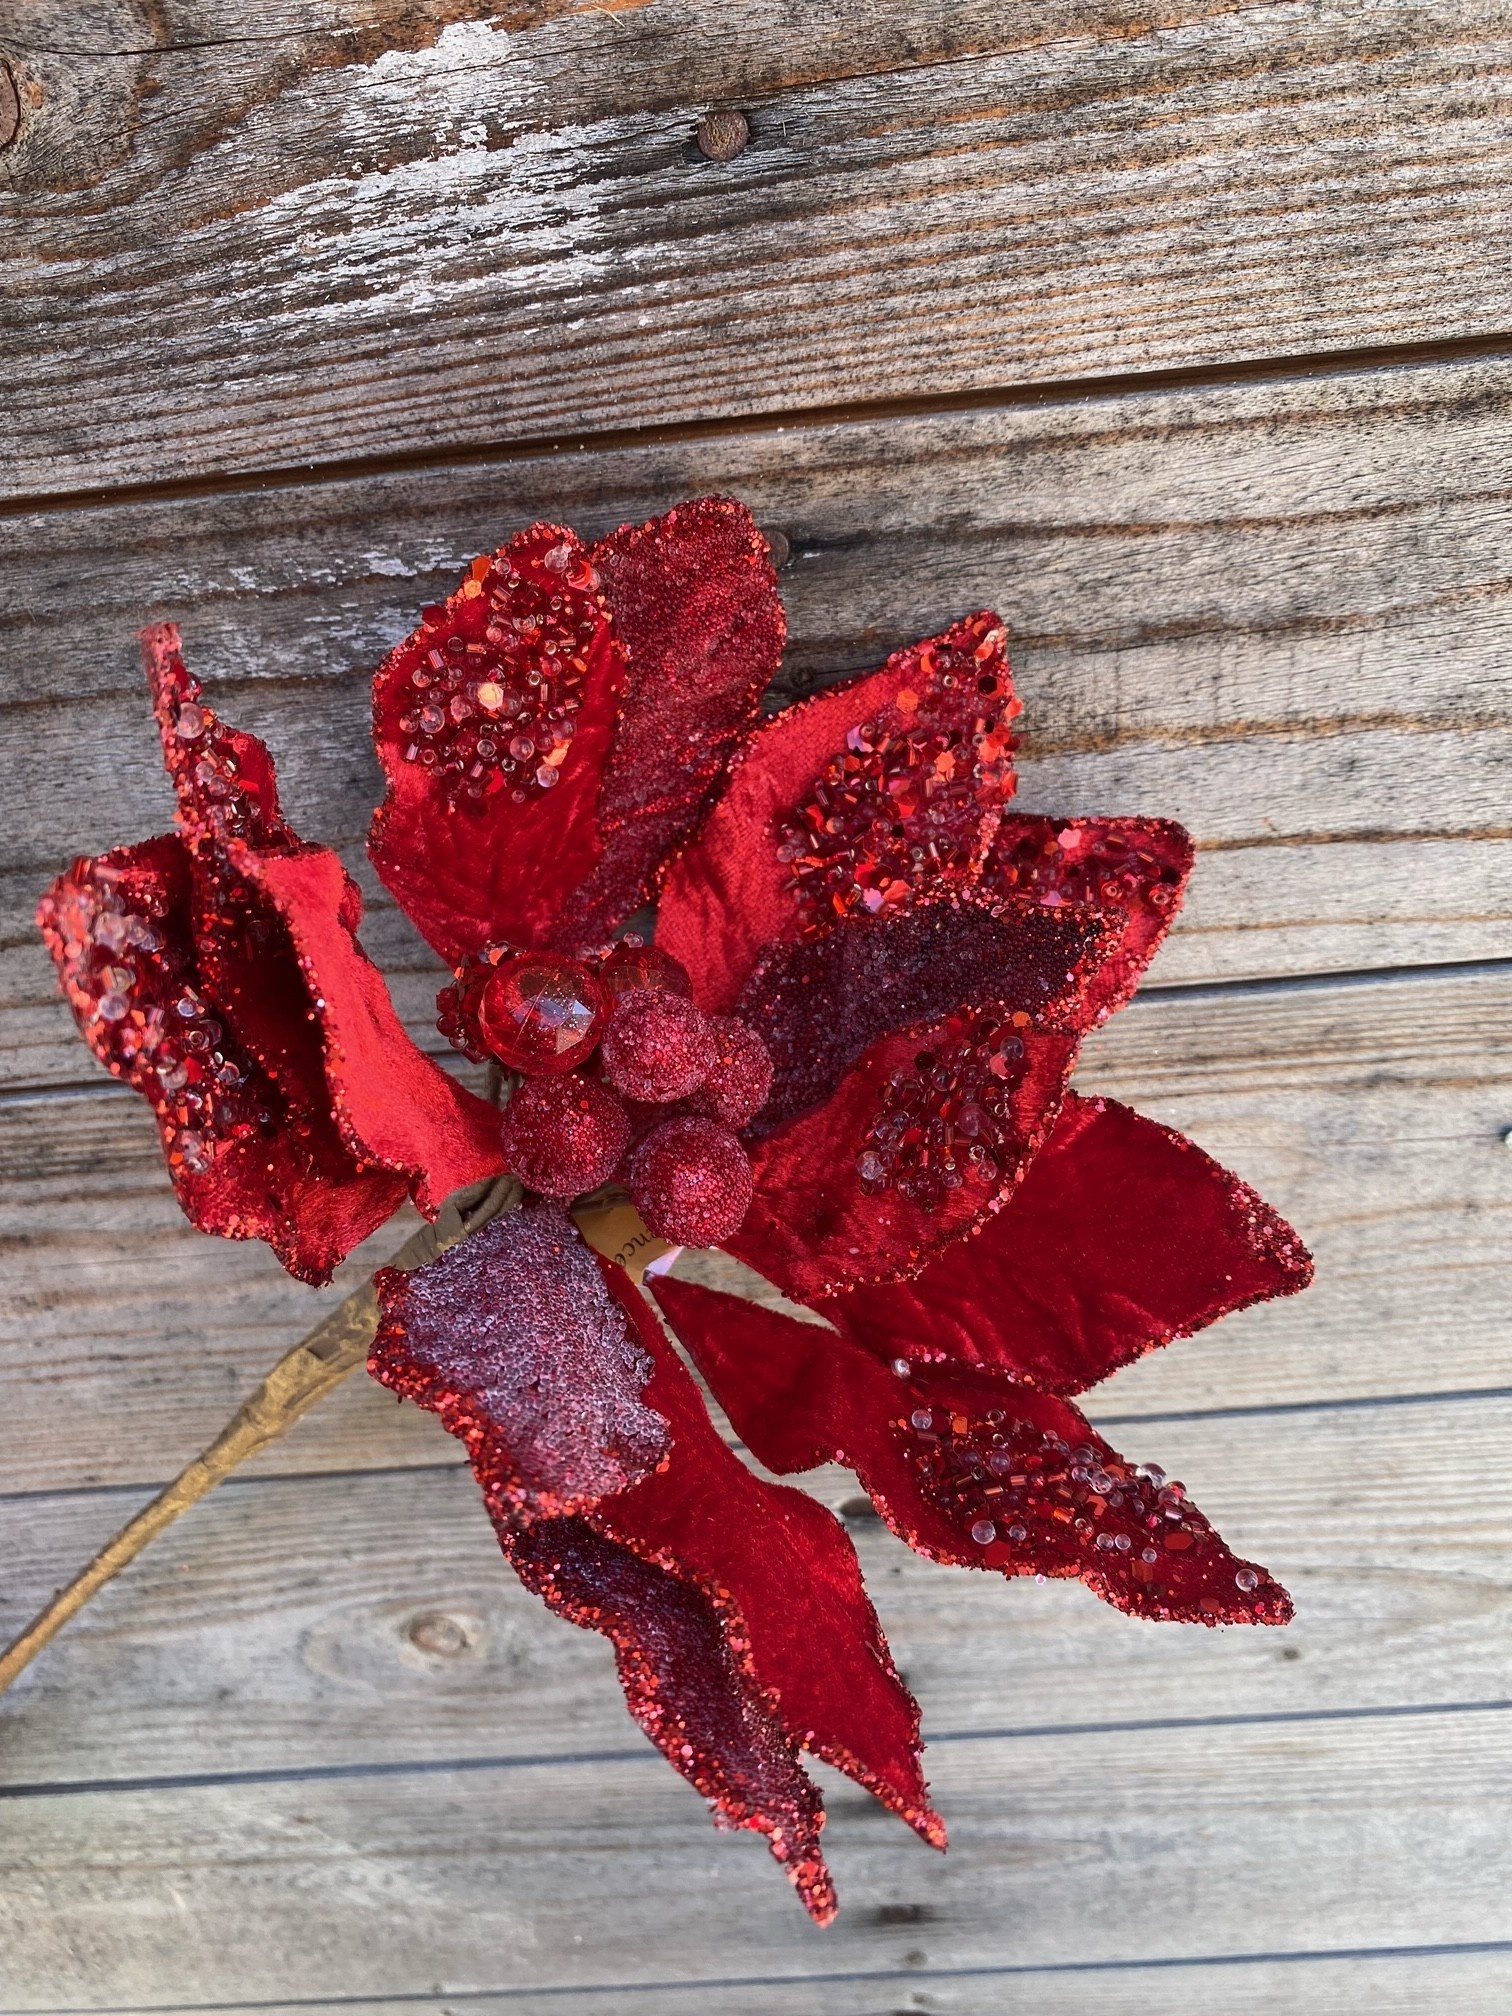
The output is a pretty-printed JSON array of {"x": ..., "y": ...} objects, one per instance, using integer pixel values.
[
  {"x": 697, "y": 613},
  {"x": 799, "y": 1617},
  {"x": 815, "y": 1227},
  {"x": 224, "y": 779},
  {"x": 969, "y": 1468},
  {"x": 768, "y": 867},
  {"x": 248, "y": 1159},
  {"x": 737, "y": 1609},
  {"x": 1122, "y": 1236},
  {"x": 512, "y": 1339},
  {"x": 394, "y": 1104},
  {"x": 274, "y": 925},
  {"x": 874, "y": 1163},
  {"x": 819, "y": 1003},
  {"x": 687, "y": 1686},
  {"x": 1134, "y": 869},
  {"x": 501, "y": 865}
]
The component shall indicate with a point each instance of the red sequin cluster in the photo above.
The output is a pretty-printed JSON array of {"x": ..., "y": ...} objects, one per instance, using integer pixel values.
[
  {"x": 147, "y": 1021},
  {"x": 948, "y": 1121},
  {"x": 499, "y": 675},
  {"x": 1031, "y": 1501},
  {"x": 1085, "y": 861},
  {"x": 906, "y": 800}
]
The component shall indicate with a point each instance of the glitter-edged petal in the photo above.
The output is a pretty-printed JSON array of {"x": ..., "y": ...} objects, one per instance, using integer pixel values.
[
  {"x": 969, "y": 1468},
  {"x": 745, "y": 1634},
  {"x": 820, "y": 1003},
  {"x": 816, "y": 1227},
  {"x": 249, "y": 1158},
  {"x": 393, "y": 1103},
  {"x": 514, "y": 1341},
  {"x": 493, "y": 723},
  {"x": 845, "y": 804},
  {"x": 886, "y": 1138},
  {"x": 1122, "y": 1236},
  {"x": 1135, "y": 870},
  {"x": 789, "y": 1570},
  {"x": 274, "y": 923},
  {"x": 696, "y": 611},
  {"x": 687, "y": 1686}
]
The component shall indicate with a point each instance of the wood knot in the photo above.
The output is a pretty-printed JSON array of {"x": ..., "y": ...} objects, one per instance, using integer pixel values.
[
  {"x": 722, "y": 135},
  {"x": 443, "y": 1636},
  {"x": 10, "y": 106}
]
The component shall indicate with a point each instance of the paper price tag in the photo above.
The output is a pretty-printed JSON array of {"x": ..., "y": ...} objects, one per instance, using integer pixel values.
[{"x": 616, "y": 1229}]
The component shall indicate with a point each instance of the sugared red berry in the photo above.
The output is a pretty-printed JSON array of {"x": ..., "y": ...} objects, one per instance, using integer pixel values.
[
  {"x": 562, "y": 1136},
  {"x": 691, "y": 1181},
  {"x": 657, "y": 1046},
  {"x": 542, "y": 1015},
  {"x": 630, "y": 966},
  {"x": 736, "y": 1087}
]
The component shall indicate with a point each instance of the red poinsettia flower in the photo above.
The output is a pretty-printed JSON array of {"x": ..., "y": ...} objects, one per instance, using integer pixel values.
[{"x": 844, "y": 1060}]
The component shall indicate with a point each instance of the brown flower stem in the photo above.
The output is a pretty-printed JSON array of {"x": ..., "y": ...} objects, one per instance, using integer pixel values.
[{"x": 315, "y": 1366}]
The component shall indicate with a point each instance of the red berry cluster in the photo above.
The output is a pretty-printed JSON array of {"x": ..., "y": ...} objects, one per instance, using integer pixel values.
[{"x": 623, "y": 1076}]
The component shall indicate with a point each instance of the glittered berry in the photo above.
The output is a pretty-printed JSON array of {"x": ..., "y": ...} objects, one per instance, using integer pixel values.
[
  {"x": 691, "y": 1182},
  {"x": 629, "y": 966},
  {"x": 736, "y": 1087},
  {"x": 542, "y": 1015},
  {"x": 562, "y": 1136},
  {"x": 657, "y": 1046}
]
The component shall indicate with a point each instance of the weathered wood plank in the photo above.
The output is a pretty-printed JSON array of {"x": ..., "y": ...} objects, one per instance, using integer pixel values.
[
  {"x": 286, "y": 1625},
  {"x": 285, "y": 261},
  {"x": 1384, "y": 1984},
  {"x": 1170, "y": 1843},
  {"x": 1371, "y": 1113},
  {"x": 1378, "y": 1984},
  {"x": 1279, "y": 612}
]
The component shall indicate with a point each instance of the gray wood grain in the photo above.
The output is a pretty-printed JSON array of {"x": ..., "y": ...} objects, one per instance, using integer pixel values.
[
  {"x": 1279, "y": 612},
  {"x": 255, "y": 250},
  {"x": 1371, "y": 1113},
  {"x": 1117, "y": 1846},
  {"x": 436, "y": 240},
  {"x": 284, "y": 1627},
  {"x": 1384, "y": 1983}
]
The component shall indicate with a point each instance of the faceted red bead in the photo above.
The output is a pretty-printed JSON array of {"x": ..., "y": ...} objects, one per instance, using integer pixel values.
[
  {"x": 657, "y": 1046},
  {"x": 642, "y": 966},
  {"x": 736, "y": 1089},
  {"x": 562, "y": 1136},
  {"x": 691, "y": 1181},
  {"x": 542, "y": 1015}
]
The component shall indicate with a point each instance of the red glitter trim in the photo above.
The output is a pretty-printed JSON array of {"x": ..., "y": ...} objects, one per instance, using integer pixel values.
[
  {"x": 968, "y": 1468},
  {"x": 731, "y": 895},
  {"x": 1122, "y": 1236},
  {"x": 489, "y": 839}
]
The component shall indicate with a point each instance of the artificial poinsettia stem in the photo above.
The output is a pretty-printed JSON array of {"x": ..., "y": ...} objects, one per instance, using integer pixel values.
[{"x": 314, "y": 1367}]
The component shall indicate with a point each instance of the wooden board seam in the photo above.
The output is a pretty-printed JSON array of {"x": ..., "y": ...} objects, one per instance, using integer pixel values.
[
  {"x": 1471, "y": 1395},
  {"x": 881, "y": 1977},
  {"x": 555, "y": 1760},
  {"x": 859, "y": 412}
]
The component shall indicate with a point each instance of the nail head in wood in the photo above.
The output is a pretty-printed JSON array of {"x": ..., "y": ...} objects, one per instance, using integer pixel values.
[
  {"x": 722, "y": 135},
  {"x": 777, "y": 546}
]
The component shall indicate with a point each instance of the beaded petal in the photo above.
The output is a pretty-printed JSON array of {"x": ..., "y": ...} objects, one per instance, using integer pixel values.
[{"x": 968, "y": 1468}]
